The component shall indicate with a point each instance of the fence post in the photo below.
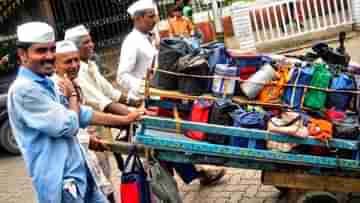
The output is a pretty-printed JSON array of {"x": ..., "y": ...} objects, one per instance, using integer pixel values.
[
  {"x": 240, "y": 14},
  {"x": 355, "y": 4}
]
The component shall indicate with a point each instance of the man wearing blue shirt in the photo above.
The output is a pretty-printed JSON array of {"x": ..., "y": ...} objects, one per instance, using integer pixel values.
[{"x": 45, "y": 129}]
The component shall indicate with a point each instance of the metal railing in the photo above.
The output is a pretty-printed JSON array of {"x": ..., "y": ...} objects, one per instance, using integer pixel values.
[
  {"x": 290, "y": 18},
  {"x": 107, "y": 20}
]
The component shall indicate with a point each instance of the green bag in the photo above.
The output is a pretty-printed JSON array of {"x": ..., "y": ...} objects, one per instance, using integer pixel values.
[{"x": 314, "y": 98}]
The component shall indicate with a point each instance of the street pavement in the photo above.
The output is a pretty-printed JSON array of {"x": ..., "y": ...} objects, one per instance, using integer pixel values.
[{"x": 238, "y": 186}]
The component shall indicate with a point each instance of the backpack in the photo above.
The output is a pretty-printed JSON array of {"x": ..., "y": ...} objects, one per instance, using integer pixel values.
[
  {"x": 340, "y": 100},
  {"x": 315, "y": 99},
  {"x": 193, "y": 64},
  {"x": 170, "y": 51},
  {"x": 199, "y": 113},
  {"x": 293, "y": 94}
]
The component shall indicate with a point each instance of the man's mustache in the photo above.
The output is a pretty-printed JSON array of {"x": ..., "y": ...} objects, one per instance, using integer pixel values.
[{"x": 51, "y": 62}]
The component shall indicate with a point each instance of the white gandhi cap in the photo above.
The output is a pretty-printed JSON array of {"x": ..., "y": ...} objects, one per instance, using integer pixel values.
[
  {"x": 76, "y": 32},
  {"x": 65, "y": 46},
  {"x": 140, "y": 5},
  {"x": 35, "y": 32}
]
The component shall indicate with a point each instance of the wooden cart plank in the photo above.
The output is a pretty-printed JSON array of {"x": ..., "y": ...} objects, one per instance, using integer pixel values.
[
  {"x": 298, "y": 180},
  {"x": 246, "y": 133},
  {"x": 190, "y": 146}
]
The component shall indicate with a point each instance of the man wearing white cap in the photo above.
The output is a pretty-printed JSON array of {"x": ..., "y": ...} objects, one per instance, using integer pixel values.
[
  {"x": 45, "y": 126},
  {"x": 97, "y": 91},
  {"x": 68, "y": 63},
  {"x": 138, "y": 54}
]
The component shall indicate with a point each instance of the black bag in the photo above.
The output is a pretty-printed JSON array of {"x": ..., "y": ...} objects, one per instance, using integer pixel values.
[
  {"x": 193, "y": 64},
  {"x": 170, "y": 51},
  {"x": 220, "y": 115},
  {"x": 347, "y": 128}
]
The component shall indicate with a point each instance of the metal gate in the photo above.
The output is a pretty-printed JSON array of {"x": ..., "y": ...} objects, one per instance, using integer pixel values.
[{"x": 107, "y": 20}]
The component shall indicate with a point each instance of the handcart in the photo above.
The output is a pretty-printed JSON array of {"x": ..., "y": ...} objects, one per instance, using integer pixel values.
[{"x": 286, "y": 171}]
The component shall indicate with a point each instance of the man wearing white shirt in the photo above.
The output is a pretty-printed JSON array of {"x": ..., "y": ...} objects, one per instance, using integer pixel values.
[
  {"x": 138, "y": 54},
  {"x": 97, "y": 91}
]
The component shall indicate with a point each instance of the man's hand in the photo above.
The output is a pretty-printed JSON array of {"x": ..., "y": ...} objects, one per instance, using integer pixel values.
[
  {"x": 135, "y": 116},
  {"x": 67, "y": 86},
  {"x": 94, "y": 142}
]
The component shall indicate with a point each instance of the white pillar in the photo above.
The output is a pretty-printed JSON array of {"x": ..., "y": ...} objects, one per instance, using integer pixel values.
[
  {"x": 355, "y": 4},
  {"x": 240, "y": 16}
]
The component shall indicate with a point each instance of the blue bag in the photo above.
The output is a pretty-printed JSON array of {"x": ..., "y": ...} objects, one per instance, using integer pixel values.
[
  {"x": 293, "y": 95},
  {"x": 217, "y": 54},
  {"x": 252, "y": 119},
  {"x": 340, "y": 100}
]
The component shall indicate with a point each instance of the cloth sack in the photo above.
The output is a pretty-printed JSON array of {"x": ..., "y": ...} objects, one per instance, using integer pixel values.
[
  {"x": 193, "y": 64},
  {"x": 220, "y": 115},
  {"x": 346, "y": 128},
  {"x": 289, "y": 123},
  {"x": 134, "y": 186},
  {"x": 272, "y": 93},
  {"x": 320, "y": 129},
  {"x": 339, "y": 100},
  {"x": 252, "y": 119},
  {"x": 170, "y": 51},
  {"x": 293, "y": 94},
  {"x": 163, "y": 184},
  {"x": 315, "y": 99}
]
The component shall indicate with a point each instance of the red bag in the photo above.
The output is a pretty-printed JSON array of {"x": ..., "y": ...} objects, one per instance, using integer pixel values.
[
  {"x": 134, "y": 186},
  {"x": 199, "y": 113}
]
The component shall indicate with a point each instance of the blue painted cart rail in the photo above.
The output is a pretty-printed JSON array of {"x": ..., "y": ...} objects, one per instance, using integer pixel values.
[{"x": 175, "y": 146}]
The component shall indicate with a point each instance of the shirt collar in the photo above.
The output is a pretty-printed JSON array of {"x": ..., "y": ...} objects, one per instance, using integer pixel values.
[
  {"x": 145, "y": 35},
  {"x": 27, "y": 73}
]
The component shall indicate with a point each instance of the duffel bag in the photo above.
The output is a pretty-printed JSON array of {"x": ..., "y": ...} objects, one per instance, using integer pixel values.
[
  {"x": 170, "y": 51},
  {"x": 289, "y": 123},
  {"x": 340, "y": 101},
  {"x": 314, "y": 98},
  {"x": 193, "y": 64},
  {"x": 293, "y": 94},
  {"x": 220, "y": 115}
]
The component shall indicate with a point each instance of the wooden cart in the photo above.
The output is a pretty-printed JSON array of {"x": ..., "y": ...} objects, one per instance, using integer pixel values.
[{"x": 286, "y": 171}]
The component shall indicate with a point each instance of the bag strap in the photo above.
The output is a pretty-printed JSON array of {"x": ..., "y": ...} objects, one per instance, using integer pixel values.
[{"x": 297, "y": 118}]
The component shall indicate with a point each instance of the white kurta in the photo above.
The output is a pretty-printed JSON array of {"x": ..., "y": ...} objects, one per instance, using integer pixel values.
[
  {"x": 137, "y": 56},
  {"x": 98, "y": 91}
]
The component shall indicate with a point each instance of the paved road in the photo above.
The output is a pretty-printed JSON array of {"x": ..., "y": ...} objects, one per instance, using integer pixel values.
[{"x": 239, "y": 186}]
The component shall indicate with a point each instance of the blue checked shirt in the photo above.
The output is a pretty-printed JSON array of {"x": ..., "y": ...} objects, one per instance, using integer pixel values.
[{"x": 45, "y": 131}]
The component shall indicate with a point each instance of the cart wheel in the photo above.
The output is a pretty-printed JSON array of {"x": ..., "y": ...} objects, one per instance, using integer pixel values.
[{"x": 318, "y": 197}]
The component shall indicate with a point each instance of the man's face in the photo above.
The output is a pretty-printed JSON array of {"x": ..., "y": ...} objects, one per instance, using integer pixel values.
[
  {"x": 87, "y": 47},
  {"x": 148, "y": 21},
  {"x": 68, "y": 63},
  {"x": 40, "y": 58}
]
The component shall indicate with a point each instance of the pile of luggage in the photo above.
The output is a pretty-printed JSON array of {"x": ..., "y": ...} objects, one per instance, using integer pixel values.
[{"x": 311, "y": 96}]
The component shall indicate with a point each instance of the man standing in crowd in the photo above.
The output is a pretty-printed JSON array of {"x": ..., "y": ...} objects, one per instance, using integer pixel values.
[
  {"x": 45, "y": 129},
  {"x": 137, "y": 56},
  {"x": 98, "y": 91},
  {"x": 68, "y": 63}
]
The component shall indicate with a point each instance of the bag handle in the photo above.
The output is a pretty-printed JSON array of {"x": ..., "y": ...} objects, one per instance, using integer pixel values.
[{"x": 136, "y": 161}]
